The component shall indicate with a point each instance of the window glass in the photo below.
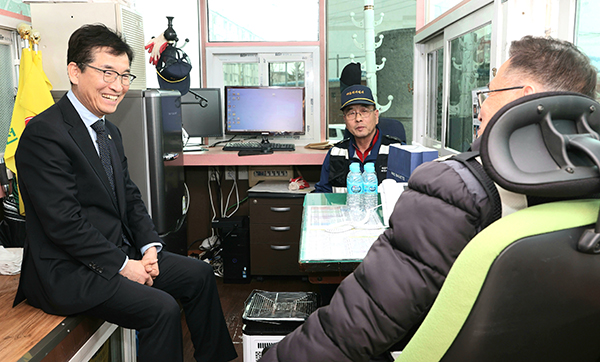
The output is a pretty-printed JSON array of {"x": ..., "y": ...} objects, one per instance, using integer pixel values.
[
  {"x": 286, "y": 74},
  {"x": 436, "y": 8},
  {"x": 469, "y": 69},
  {"x": 347, "y": 44},
  {"x": 245, "y": 74},
  {"x": 587, "y": 30},
  {"x": 263, "y": 20},
  {"x": 435, "y": 73}
]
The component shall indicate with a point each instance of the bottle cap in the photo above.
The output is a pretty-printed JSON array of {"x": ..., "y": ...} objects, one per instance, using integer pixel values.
[
  {"x": 370, "y": 167},
  {"x": 354, "y": 167}
]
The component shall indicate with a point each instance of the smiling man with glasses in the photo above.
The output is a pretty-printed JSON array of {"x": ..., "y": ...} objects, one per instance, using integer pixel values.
[
  {"x": 110, "y": 75},
  {"x": 365, "y": 144},
  {"x": 91, "y": 247}
]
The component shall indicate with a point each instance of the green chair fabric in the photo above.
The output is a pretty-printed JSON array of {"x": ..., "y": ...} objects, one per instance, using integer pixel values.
[{"x": 462, "y": 287}]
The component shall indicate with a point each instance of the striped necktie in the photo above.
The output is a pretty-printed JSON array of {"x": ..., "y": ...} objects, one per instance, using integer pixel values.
[{"x": 104, "y": 150}]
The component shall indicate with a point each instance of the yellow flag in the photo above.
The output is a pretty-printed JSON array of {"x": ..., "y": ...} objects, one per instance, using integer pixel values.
[{"x": 33, "y": 97}]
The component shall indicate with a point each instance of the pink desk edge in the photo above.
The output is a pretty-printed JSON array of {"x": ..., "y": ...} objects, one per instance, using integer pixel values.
[{"x": 217, "y": 157}]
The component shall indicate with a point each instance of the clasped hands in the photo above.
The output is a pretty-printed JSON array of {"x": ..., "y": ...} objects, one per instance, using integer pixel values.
[{"x": 143, "y": 271}]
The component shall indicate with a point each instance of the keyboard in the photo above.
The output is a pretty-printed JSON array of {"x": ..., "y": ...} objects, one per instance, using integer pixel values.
[{"x": 250, "y": 146}]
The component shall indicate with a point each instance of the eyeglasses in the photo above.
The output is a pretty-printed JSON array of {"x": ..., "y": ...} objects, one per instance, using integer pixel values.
[
  {"x": 484, "y": 94},
  {"x": 110, "y": 75},
  {"x": 364, "y": 113}
]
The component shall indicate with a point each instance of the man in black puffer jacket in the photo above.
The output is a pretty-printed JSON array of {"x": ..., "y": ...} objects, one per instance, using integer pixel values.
[{"x": 387, "y": 297}]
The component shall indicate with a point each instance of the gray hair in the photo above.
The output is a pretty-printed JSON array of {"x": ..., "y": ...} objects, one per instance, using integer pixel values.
[{"x": 557, "y": 65}]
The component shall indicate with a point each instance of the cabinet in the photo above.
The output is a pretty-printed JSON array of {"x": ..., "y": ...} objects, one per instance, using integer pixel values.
[{"x": 275, "y": 223}]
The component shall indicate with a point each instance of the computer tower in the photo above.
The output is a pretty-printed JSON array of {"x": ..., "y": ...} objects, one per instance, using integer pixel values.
[{"x": 235, "y": 241}]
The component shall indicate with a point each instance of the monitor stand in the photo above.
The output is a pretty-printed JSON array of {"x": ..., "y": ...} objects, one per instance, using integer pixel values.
[{"x": 265, "y": 140}]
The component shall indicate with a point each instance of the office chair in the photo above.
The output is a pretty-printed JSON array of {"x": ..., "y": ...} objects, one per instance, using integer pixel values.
[
  {"x": 527, "y": 288},
  {"x": 388, "y": 126}
]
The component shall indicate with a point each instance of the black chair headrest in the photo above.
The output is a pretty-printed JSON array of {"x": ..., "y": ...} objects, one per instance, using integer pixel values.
[{"x": 546, "y": 145}]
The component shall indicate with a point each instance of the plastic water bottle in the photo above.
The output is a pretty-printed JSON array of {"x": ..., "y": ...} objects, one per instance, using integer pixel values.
[
  {"x": 369, "y": 188},
  {"x": 354, "y": 186}
]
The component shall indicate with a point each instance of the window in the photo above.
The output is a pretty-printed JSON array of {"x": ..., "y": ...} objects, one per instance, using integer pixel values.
[
  {"x": 385, "y": 52},
  {"x": 469, "y": 69},
  {"x": 435, "y": 87},
  {"x": 451, "y": 64},
  {"x": 255, "y": 43},
  {"x": 283, "y": 66},
  {"x": 436, "y": 8},
  {"x": 587, "y": 30},
  {"x": 263, "y": 20}
]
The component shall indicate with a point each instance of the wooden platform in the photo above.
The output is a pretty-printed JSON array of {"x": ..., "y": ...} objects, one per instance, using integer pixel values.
[{"x": 29, "y": 334}]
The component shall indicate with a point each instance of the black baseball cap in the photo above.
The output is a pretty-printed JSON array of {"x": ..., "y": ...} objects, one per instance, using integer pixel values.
[
  {"x": 357, "y": 94},
  {"x": 351, "y": 75},
  {"x": 173, "y": 70}
]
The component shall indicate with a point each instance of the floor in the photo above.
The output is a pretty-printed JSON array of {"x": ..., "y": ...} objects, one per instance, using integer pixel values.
[{"x": 233, "y": 297}]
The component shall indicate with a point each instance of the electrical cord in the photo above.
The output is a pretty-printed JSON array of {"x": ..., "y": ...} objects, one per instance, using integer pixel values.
[
  {"x": 213, "y": 247},
  {"x": 224, "y": 141},
  {"x": 237, "y": 204},
  {"x": 184, "y": 212}
]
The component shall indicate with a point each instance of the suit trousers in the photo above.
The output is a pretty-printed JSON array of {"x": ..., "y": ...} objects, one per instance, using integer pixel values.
[{"x": 155, "y": 313}]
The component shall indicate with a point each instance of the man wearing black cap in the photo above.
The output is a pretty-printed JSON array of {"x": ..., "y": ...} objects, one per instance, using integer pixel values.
[{"x": 366, "y": 143}]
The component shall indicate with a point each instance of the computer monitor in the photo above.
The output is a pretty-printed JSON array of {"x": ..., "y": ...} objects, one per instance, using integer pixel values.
[
  {"x": 201, "y": 112},
  {"x": 264, "y": 110}
]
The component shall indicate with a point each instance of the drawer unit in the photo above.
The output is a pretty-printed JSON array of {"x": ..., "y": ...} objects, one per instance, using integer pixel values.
[{"x": 275, "y": 225}]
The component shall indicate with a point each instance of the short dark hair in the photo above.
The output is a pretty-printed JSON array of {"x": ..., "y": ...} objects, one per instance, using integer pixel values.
[
  {"x": 558, "y": 65},
  {"x": 85, "y": 40}
]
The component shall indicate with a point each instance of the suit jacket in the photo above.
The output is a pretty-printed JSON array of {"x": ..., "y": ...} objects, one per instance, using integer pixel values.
[{"x": 74, "y": 246}]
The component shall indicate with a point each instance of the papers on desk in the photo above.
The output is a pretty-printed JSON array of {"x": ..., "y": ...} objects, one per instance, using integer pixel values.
[{"x": 328, "y": 235}]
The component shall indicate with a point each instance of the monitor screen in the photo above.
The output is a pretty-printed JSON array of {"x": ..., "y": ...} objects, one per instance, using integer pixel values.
[
  {"x": 201, "y": 112},
  {"x": 264, "y": 110}
]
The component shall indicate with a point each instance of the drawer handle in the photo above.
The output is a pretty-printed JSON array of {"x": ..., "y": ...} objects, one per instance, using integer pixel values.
[
  {"x": 280, "y": 209},
  {"x": 281, "y": 247},
  {"x": 280, "y": 228}
]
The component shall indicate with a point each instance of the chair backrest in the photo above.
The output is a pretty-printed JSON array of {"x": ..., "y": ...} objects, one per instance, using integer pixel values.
[
  {"x": 519, "y": 291},
  {"x": 388, "y": 126},
  {"x": 527, "y": 288}
]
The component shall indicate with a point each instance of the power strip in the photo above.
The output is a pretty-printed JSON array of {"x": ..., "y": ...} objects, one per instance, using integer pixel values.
[{"x": 270, "y": 173}]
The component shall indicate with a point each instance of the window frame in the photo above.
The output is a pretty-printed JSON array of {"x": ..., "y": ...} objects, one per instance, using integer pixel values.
[
  {"x": 264, "y": 55},
  {"x": 465, "y": 19},
  {"x": 316, "y": 118}
]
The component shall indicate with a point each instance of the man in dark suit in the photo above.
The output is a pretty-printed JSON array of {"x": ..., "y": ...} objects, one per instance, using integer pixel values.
[{"x": 91, "y": 246}]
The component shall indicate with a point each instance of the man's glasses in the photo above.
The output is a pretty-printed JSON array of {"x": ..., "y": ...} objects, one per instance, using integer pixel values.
[
  {"x": 364, "y": 113},
  {"x": 110, "y": 75},
  {"x": 484, "y": 94}
]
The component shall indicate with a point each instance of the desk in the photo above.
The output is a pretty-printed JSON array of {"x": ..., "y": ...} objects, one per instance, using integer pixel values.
[
  {"x": 306, "y": 162},
  {"x": 328, "y": 257},
  {"x": 217, "y": 157}
]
